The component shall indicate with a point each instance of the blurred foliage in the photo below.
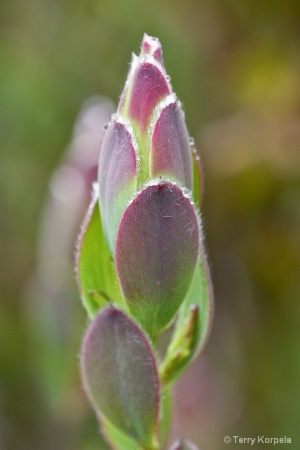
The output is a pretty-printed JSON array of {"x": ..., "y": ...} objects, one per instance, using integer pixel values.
[{"x": 236, "y": 67}]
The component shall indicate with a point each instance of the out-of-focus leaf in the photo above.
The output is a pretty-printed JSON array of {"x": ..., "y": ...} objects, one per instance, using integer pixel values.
[
  {"x": 192, "y": 325},
  {"x": 117, "y": 439},
  {"x": 120, "y": 375},
  {"x": 96, "y": 274},
  {"x": 156, "y": 253},
  {"x": 165, "y": 416}
]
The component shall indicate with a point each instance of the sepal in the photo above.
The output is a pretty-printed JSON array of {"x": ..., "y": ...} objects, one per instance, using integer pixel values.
[
  {"x": 156, "y": 253},
  {"x": 117, "y": 174},
  {"x": 170, "y": 152},
  {"x": 95, "y": 270}
]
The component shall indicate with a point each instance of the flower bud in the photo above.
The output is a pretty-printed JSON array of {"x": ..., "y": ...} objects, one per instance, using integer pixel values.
[
  {"x": 146, "y": 139},
  {"x": 145, "y": 171}
]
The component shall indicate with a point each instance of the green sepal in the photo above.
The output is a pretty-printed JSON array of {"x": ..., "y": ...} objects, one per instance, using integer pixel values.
[
  {"x": 95, "y": 270},
  {"x": 192, "y": 326}
]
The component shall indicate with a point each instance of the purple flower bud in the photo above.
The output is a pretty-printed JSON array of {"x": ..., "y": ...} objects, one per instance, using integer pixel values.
[
  {"x": 146, "y": 172},
  {"x": 145, "y": 253},
  {"x": 146, "y": 139}
]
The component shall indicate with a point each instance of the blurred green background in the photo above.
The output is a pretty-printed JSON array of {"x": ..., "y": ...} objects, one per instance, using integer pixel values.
[{"x": 235, "y": 65}]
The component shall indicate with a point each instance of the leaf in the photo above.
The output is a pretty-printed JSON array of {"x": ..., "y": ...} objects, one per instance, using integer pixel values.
[
  {"x": 192, "y": 325},
  {"x": 120, "y": 375},
  {"x": 95, "y": 270},
  {"x": 117, "y": 439},
  {"x": 165, "y": 417},
  {"x": 120, "y": 441},
  {"x": 156, "y": 254}
]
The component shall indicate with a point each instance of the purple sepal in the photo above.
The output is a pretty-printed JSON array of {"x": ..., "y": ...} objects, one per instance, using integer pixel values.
[
  {"x": 157, "y": 249},
  {"x": 117, "y": 174},
  {"x": 149, "y": 87},
  {"x": 170, "y": 153}
]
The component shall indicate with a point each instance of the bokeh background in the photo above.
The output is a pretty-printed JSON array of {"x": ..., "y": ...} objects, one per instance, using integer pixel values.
[{"x": 236, "y": 67}]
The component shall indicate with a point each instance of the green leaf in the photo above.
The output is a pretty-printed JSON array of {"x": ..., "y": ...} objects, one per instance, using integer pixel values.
[
  {"x": 117, "y": 439},
  {"x": 120, "y": 375},
  {"x": 120, "y": 441},
  {"x": 165, "y": 417},
  {"x": 95, "y": 270},
  {"x": 192, "y": 325}
]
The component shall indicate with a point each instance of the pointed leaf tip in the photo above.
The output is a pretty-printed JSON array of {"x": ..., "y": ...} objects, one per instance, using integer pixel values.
[
  {"x": 120, "y": 374},
  {"x": 156, "y": 253}
]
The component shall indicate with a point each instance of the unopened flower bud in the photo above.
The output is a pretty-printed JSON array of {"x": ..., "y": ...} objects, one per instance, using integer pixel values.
[{"x": 145, "y": 184}]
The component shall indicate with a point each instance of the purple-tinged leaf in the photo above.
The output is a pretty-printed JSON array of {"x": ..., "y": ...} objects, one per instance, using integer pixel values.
[
  {"x": 170, "y": 152},
  {"x": 117, "y": 175},
  {"x": 120, "y": 374},
  {"x": 156, "y": 253}
]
